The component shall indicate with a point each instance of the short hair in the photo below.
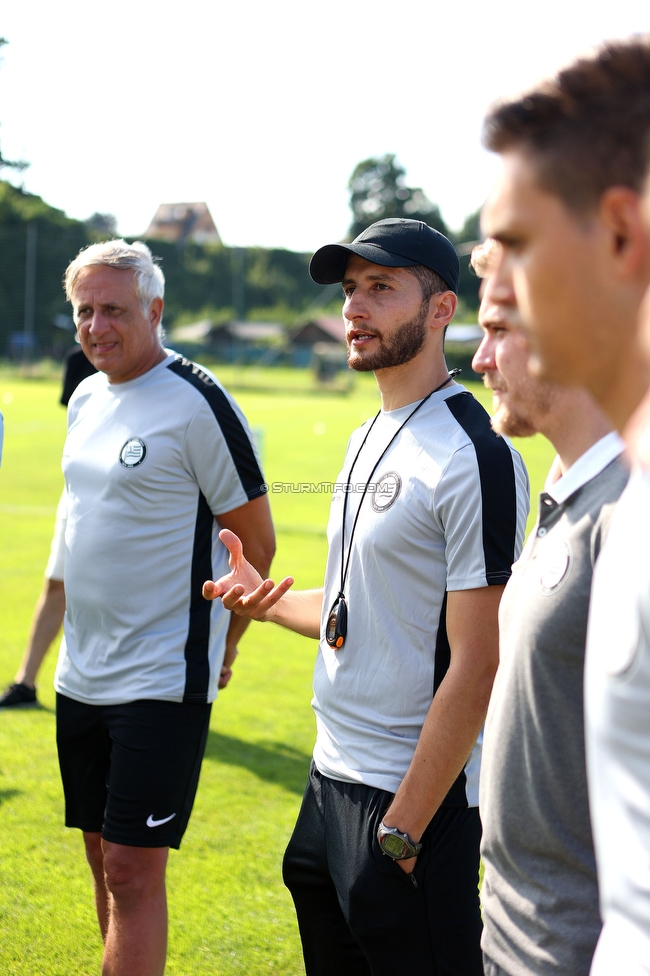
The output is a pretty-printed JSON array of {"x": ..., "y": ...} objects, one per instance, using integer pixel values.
[
  {"x": 482, "y": 257},
  {"x": 587, "y": 128},
  {"x": 136, "y": 257},
  {"x": 431, "y": 282}
]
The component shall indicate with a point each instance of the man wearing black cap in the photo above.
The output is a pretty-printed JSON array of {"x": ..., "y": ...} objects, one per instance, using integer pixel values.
[{"x": 426, "y": 521}]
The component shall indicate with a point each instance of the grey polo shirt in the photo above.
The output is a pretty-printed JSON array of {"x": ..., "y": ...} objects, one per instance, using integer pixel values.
[{"x": 540, "y": 897}]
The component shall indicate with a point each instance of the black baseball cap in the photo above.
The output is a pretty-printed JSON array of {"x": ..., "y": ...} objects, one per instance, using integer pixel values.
[{"x": 394, "y": 243}]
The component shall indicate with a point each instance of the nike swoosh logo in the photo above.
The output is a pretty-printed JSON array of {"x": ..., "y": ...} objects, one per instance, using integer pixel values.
[{"x": 156, "y": 823}]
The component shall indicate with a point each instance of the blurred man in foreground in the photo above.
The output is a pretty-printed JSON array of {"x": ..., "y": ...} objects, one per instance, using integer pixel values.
[
  {"x": 156, "y": 451},
  {"x": 537, "y": 844},
  {"x": 427, "y": 517},
  {"x": 567, "y": 213}
]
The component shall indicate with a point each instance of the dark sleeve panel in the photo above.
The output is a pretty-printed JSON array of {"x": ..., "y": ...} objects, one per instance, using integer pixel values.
[
  {"x": 197, "y": 646},
  {"x": 498, "y": 487},
  {"x": 457, "y": 794},
  {"x": 231, "y": 426}
]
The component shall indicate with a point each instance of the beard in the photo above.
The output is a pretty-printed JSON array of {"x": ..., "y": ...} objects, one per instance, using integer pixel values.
[
  {"x": 510, "y": 421},
  {"x": 510, "y": 424},
  {"x": 402, "y": 348}
]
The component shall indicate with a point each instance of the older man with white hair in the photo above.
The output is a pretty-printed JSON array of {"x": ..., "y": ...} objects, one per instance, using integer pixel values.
[{"x": 158, "y": 458}]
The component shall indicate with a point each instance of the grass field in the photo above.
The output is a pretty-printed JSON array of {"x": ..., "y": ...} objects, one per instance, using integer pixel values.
[{"x": 229, "y": 913}]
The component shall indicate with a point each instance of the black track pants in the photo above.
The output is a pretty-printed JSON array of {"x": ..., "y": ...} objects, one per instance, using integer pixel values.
[{"x": 359, "y": 914}]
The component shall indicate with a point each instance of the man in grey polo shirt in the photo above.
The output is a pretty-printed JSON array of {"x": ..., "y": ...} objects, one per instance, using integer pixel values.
[{"x": 540, "y": 894}]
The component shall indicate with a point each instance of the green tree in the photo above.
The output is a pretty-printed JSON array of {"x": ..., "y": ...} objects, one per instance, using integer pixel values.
[
  {"x": 470, "y": 232},
  {"x": 469, "y": 235},
  {"x": 58, "y": 239},
  {"x": 378, "y": 189},
  {"x": 101, "y": 227},
  {"x": 199, "y": 276}
]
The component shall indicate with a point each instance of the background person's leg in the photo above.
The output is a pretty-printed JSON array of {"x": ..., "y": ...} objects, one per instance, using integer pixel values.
[
  {"x": 46, "y": 623},
  {"x": 95, "y": 858}
]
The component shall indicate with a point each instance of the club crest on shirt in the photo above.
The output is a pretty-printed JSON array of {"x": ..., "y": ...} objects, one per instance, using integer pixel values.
[
  {"x": 556, "y": 563},
  {"x": 387, "y": 489},
  {"x": 133, "y": 453}
]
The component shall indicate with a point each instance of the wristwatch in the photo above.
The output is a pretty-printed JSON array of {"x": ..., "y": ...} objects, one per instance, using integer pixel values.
[{"x": 395, "y": 844}]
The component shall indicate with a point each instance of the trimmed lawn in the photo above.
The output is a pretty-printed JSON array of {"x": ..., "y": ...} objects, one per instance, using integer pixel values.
[{"x": 229, "y": 912}]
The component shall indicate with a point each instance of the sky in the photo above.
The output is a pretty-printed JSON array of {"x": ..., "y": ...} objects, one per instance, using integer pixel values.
[{"x": 263, "y": 109}]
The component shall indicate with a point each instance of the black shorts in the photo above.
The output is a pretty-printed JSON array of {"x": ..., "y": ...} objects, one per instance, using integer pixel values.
[{"x": 131, "y": 771}]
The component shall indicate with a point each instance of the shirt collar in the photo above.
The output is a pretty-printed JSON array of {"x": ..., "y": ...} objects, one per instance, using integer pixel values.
[{"x": 588, "y": 465}]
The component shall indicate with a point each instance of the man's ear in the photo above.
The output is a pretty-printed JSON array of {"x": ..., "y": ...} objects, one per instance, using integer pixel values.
[
  {"x": 442, "y": 309},
  {"x": 155, "y": 312},
  {"x": 621, "y": 214}
]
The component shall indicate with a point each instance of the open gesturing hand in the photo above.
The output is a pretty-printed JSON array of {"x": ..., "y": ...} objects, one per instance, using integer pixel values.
[{"x": 242, "y": 590}]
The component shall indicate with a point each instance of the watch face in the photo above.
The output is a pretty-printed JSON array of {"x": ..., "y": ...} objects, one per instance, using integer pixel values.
[{"x": 393, "y": 846}]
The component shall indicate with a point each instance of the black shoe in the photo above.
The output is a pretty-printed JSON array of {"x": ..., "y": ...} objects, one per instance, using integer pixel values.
[{"x": 18, "y": 695}]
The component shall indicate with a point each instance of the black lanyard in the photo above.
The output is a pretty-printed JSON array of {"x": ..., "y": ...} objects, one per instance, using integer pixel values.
[{"x": 337, "y": 622}]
